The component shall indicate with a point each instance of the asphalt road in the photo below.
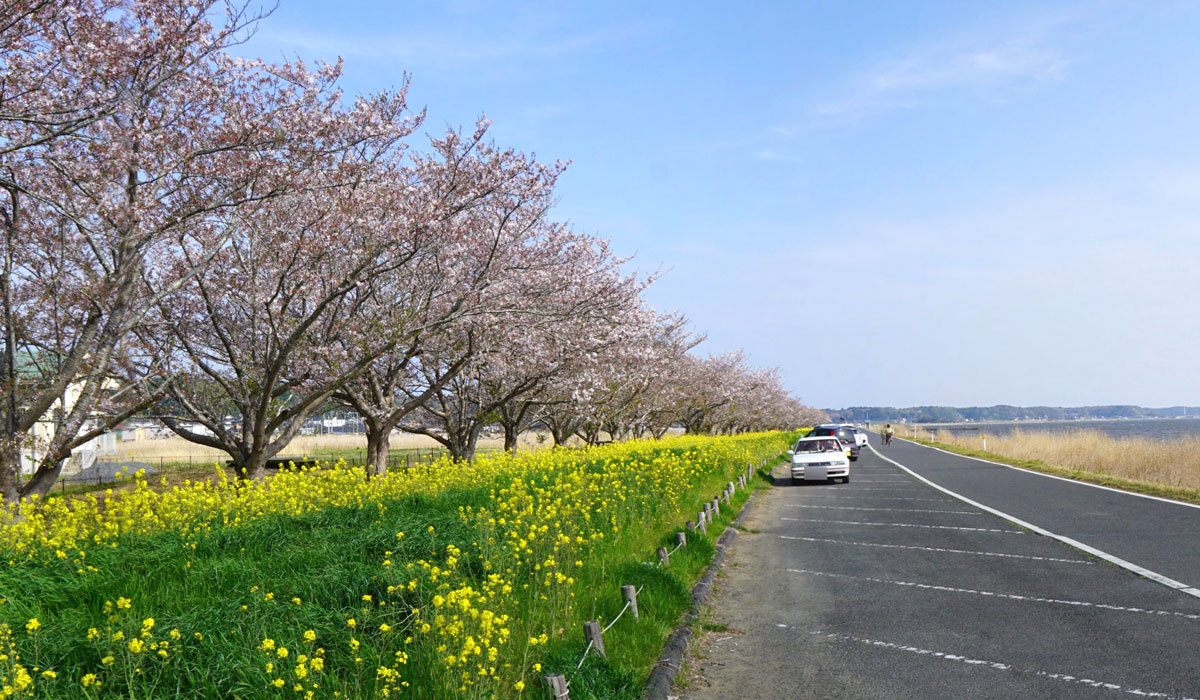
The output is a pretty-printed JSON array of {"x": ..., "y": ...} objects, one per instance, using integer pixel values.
[{"x": 888, "y": 588}]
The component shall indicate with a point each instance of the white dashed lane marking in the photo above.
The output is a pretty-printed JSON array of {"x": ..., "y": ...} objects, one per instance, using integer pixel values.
[
  {"x": 879, "y": 498},
  {"x": 993, "y": 594},
  {"x": 890, "y": 510},
  {"x": 930, "y": 527},
  {"x": 907, "y": 485},
  {"x": 938, "y": 549},
  {"x": 994, "y": 665}
]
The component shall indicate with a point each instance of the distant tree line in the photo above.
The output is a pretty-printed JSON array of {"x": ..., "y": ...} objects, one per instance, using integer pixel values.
[{"x": 984, "y": 414}]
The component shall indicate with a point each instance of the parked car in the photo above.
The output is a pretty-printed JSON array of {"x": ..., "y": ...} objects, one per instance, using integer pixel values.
[
  {"x": 819, "y": 459},
  {"x": 860, "y": 436},
  {"x": 844, "y": 435}
]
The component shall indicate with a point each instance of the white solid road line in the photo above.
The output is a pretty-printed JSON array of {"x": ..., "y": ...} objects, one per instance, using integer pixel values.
[
  {"x": 1127, "y": 565},
  {"x": 993, "y": 594},
  {"x": 938, "y": 549},
  {"x": 995, "y": 665},
  {"x": 928, "y": 527},
  {"x": 888, "y": 510}
]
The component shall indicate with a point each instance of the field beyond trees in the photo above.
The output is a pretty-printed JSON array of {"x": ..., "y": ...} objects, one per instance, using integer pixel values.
[{"x": 452, "y": 580}]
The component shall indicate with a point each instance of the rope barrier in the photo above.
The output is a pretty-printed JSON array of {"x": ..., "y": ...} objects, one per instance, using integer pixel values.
[
  {"x": 618, "y": 617},
  {"x": 584, "y": 657}
]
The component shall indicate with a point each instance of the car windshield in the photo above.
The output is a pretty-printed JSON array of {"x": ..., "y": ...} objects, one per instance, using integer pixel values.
[{"x": 809, "y": 446}]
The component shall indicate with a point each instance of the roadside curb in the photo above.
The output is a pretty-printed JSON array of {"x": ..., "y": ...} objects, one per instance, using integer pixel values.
[{"x": 662, "y": 676}]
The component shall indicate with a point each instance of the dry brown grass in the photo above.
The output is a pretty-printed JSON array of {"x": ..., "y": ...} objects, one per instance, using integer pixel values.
[
  {"x": 176, "y": 448},
  {"x": 1167, "y": 462}
]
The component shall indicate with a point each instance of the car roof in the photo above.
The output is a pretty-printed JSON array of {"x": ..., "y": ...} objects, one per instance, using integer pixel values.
[{"x": 815, "y": 437}]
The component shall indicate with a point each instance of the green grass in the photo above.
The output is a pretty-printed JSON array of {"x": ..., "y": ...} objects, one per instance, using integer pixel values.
[
  {"x": 328, "y": 560},
  {"x": 1178, "y": 493},
  {"x": 213, "y": 588}
]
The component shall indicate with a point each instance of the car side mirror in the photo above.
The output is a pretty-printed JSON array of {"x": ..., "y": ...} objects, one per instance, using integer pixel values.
[{"x": 791, "y": 452}]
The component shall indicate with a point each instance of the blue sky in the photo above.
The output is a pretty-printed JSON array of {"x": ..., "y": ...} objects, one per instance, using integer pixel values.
[{"x": 988, "y": 202}]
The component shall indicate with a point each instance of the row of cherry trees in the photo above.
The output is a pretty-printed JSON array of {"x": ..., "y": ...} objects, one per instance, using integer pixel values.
[{"x": 196, "y": 236}]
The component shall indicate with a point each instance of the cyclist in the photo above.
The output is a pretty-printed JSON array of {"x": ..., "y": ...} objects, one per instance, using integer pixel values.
[{"x": 887, "y": 434}]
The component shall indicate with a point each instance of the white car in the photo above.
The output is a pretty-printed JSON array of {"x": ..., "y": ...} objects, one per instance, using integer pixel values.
[
  {"x": 860, "y": 437},
  {"x": 819, "y": 459}
]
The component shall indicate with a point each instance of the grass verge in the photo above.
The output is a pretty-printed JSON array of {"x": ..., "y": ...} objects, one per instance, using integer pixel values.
[{"x": 1178, "y": 493}]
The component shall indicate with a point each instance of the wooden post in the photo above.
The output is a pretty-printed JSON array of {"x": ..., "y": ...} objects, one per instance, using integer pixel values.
[
  {"x": 691, "y": 525},
  {"x": 681, "y": 539},
  {"x": 593, "y": 633},
  {"x": 664, "y": 557},
  {"x": 716, "y": 506},
  {"x": 558, "y": 686},
  {"x": 700, "y": 521},
  {"x": 630, "y": 594}
]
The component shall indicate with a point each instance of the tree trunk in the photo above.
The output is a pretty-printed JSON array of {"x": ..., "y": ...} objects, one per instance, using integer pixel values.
[
  {"x": 510, "y": 438},
  {"x": 472, "y": 440},
  {"x": 560, "y": 435},
  {"x": 43, "y": 479},
  {"x": 250, "y": 465},
  {"x": 590, "y": 435},
  {"x": 10, "y": 471},
  {"x": 377, "y": 447}
]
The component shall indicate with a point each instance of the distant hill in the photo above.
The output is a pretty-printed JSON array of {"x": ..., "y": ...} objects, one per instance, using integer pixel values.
[{"x": 985, "y": 414}]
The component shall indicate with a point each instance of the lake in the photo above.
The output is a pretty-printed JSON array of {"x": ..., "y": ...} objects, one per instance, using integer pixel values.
[{"x": 1159, "y": 429}]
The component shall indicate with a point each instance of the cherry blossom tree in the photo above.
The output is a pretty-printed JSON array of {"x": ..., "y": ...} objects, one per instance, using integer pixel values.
[
  {"x": 124, "y": 128},
  {"x": 564, "y": 299},
  {"x": 626, "y": 390},
  {"x": 291, "y": 308},
  {"x": 488, "y": 211}
]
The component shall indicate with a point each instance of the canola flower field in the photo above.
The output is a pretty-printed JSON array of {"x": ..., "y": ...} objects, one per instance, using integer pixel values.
[{"x": 452, "y": 580}]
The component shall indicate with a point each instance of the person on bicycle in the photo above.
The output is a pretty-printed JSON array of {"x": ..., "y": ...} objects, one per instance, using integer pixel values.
[{"x": 887, "y": 434}]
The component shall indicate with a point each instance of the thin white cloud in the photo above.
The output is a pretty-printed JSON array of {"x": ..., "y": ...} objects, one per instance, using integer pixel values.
[
  {"x": 994, "y": 70},
  {"x": 993, "y": 62}
]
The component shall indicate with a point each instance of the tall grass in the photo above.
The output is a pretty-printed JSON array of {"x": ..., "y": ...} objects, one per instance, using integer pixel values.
[{"x": 1174, "y": 463}]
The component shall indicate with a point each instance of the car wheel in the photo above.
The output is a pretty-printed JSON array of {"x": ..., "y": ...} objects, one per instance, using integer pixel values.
[
  {"x": 846, "y": 479},
  {"x": 795, "y": 481}
]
